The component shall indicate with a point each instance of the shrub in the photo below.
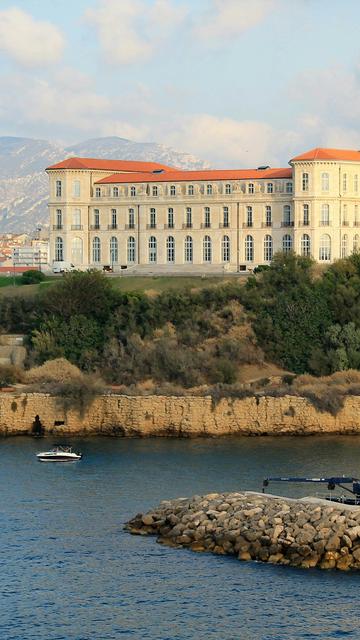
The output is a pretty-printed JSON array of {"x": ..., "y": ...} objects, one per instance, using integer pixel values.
[
  {"x": 58, "y": 370},
  {"x": 10, "y": 375},
  {"x": 32, "y": 277}
]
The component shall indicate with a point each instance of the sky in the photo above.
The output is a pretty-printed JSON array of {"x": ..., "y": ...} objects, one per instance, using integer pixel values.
[{"x": 238, "y": 83}]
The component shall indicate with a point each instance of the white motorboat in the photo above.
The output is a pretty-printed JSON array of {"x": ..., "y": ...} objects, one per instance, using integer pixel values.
[{"x": 59, "y": 453}]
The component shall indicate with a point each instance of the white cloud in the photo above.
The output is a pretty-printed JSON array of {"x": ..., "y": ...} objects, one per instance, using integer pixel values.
[
  {"x": 227, "y": 18},
  {"x": 131, "y": 30},
  {"x": 226, "y": 142},
  {"x": 28, "y": 41}
]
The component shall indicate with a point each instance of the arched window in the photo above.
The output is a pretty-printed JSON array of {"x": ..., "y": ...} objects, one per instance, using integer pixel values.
[
  {"x": 76, "y": 188},
  {"x": 249, "y": 248},
  {"x": 325, "y": 247},
  {"x": 152, "y": 249},
  {"x": 225, "y": 249},
  {"x": 116, "y": 192},
  {"x": 286, "y": 243},
  {"x": 325, "y": 182},
  {"x": 209, "y": 189},
  {"x": 76, "y": 219},
  {"x": 173, "y": 190},
  {"x": 133, "y": 191},
  {"x": 305, "y": 246},
  {"x": 228, "y": 189},
  {"x": 325, "y": 217},
  {"x": 305, "y": 182},
  {"x": 96, "y": 249},
  {"x": 155, "y": 190},
  {"x": 207, "y": 249},
  {"x": 190, "y": 190},
  {"x": 59, "y": 249},
  {"x": 114, "y": 250},
  {"x": 344, "y": 246},
  {"x": 356, "y": 244},
  {"x": 76, "y": 250},
  {"x": 131, "y": 249},
  {"x": 268, "y": 248},
  {"x": 170, "y": 249},
  {"x": 188, "y": 249}
]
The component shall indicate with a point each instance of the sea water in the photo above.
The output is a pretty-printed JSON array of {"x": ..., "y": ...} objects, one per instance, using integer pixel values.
[{"x": 68, "y": 571}]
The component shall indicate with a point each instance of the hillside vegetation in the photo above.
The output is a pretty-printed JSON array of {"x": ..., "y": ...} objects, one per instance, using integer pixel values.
[{"x": 290, "y": 315}]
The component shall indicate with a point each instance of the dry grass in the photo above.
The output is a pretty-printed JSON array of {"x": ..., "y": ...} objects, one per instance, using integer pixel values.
[{"x": 58, "y": 370}]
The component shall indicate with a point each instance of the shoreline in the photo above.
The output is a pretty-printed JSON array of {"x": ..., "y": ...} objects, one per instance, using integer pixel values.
[{"x": 174, "y": 416}]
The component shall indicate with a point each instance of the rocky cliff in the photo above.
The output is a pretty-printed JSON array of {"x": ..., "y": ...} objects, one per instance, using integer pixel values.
[{"x": 186, "y": 416}]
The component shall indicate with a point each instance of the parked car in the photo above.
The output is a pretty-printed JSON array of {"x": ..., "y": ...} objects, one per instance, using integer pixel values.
[{"x": 62, "y": 266}]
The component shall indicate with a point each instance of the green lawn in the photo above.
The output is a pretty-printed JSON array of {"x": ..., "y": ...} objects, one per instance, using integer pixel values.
[{"x": 122, "y": 283}]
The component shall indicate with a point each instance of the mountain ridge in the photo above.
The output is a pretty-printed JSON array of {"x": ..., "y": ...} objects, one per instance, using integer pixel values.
[{"x": 24, "y": 183}]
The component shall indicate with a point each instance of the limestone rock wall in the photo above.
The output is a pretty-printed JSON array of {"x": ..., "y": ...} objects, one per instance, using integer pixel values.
[
  {"x": 185, "y": 416},
  {"x": 302, "y": 533}
]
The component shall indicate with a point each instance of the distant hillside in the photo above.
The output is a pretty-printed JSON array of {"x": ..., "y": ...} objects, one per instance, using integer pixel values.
[{"x": 24, "y": 185}]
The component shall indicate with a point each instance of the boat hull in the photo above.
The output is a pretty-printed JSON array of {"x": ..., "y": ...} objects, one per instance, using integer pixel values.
[{"x": 58, "y": 458}]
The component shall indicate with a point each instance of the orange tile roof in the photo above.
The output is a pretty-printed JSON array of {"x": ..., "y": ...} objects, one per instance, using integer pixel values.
[
  {"x": 319, "y": 153},
  {"x": 108, "y": 165},
  {"x": 208, "y": 175}
]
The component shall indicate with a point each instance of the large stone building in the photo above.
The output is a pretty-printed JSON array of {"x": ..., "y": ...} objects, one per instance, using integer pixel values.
[{"x": 117, "y": 214}]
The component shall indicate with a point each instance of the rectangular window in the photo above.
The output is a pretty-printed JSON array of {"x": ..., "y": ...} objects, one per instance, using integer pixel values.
[
  {"x": 228, "y": 189},
  {"x": 155, "y": 191},
  {"x": 58, "y": 219},
  {"x": 209, "y": 189},
  {"x": 171, "y": 218},
  {"x": 96, "y": 218},
  {"x": 188, "y": 217},
  {"x": 268, "y": 220},
  {"x": 270, "y": 187},
  {"x": 207, "y": 220},
  {"x": 288, "y": 187},
  {"x": 345, "y": 216},
  {"x": 287, "y": 215},
  {"x": 325, "y": 182},
  {"x": 131, "y": 219},
  {"x": 173, "y": 190},
  {"x": 97, "y": 192},
  {"x": 76, "y": 189},
  {"x": 132, "y": 192},
  {"x": 152, "y": 219},
  {"x": 249, "y": 216},
  {"x": 58, "y": 189},
  {"x": 305, "y": 182},
  {"x": 305, "y": 215},
  {"x": 356, "y": 215},
  {"x": 226, "y": 217},
  {"x": 356, "y": 183},
  {"x": 251, "y": 188},
  {"x": 190, "y": 190},
  {"x": 344, "y": 181},
  {"x": 113, "y": 219}
]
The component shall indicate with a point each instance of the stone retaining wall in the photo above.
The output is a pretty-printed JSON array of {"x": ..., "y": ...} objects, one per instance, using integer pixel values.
[
  {"x": 302, "y": 533},
  {"x": 185, "y": 416}
]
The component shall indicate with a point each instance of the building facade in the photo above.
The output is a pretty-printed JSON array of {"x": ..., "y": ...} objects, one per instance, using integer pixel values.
[{"x": 118, "y": 214}]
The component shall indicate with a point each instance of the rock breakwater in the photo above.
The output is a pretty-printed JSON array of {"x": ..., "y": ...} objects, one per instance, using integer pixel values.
[{"x": 301, "y": 533}]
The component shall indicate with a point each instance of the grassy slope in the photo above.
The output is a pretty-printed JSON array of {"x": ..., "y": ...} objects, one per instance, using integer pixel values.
[{"x": 122, "y": 283}]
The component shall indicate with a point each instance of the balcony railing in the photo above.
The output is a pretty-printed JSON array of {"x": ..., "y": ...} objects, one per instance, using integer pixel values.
[
  {"x": 345, "y": 223},
  {"x": 57, "y": 227},
  {"x": 304, "y": 223},
  {"x": 287, "y": 223},
  {"x": 187, "y": 225},
  {"x": 247, "y": 224},
  {"x": 76, "y": 227},
  {"x": 325, "y": 223},
  {"x": 130, "y": 226},
  {"x": 357, "y": 223},
  {"x": 95, "y": 227},
  {"x": 151, "y": 226},
  {"x": 169, "y": 226},
  {"x": 224, "y": 225},
  {"x": 206, "y": 225},
  {"x": 266, "y": 224},
  {"x": 112, "y": 226}
]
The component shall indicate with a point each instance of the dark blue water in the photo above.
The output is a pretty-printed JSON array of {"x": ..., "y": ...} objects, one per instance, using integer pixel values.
[{"x": 69, "y": 572}]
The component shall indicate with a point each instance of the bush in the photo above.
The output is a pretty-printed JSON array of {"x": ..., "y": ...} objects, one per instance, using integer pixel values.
[
  {"x": 10, "y": 375},
  {"x": 58, "y": 370},
  {"x": 32, "y": 277}
]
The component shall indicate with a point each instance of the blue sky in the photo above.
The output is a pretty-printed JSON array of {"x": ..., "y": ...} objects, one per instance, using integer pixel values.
[{"x": 235, "y": 82}]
